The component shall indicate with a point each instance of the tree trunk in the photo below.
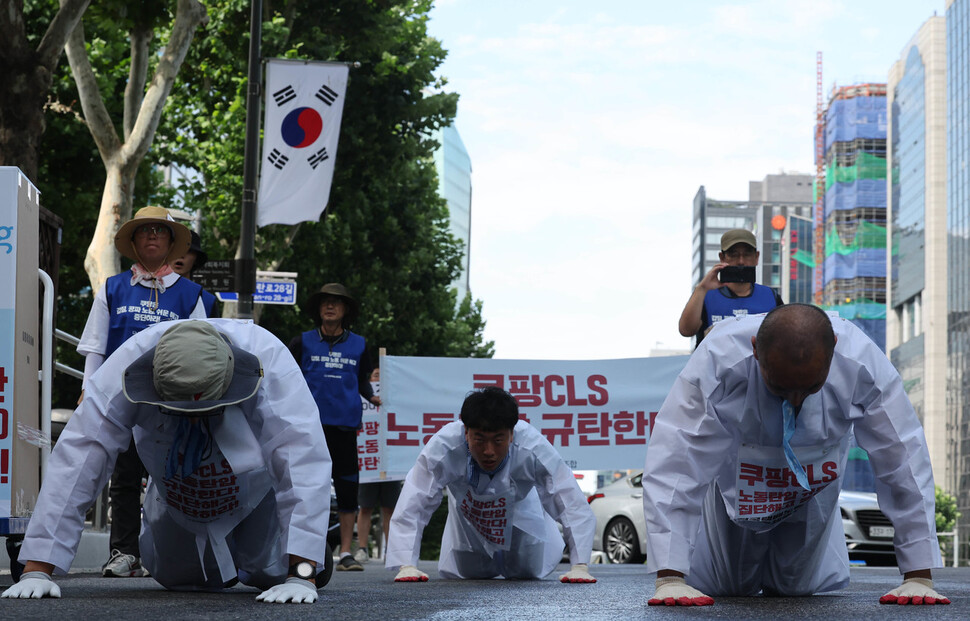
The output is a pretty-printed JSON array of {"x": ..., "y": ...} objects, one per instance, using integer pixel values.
[
  {"x": 102, "y": 259},
  {"x": 121, "y": 159},
  {"x": 22, "y": 112},
  {"x": 27, "y": 79}
]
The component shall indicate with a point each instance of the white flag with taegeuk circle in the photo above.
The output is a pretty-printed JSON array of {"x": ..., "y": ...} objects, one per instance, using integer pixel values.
[{"x": 301, "y": 126}]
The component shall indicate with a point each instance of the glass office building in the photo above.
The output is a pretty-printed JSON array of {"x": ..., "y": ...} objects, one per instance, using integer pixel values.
[
  {"x": 958, "y": 249},
  {"x": 454, "y": 168},
  {"x": 916, "y": 321}
]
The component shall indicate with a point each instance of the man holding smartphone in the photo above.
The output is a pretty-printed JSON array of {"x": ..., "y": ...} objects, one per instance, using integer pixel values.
[{"x": 729, "y": 289}]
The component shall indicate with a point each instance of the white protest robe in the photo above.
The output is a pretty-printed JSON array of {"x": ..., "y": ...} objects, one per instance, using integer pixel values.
[
  {"x": 505, "y": 525},
  {"x": 262, "y": 494},
  {"x": 721, "y": 503}
]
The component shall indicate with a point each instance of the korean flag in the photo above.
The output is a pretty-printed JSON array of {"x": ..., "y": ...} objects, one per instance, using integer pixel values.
[{"x": 304, "y": 104}]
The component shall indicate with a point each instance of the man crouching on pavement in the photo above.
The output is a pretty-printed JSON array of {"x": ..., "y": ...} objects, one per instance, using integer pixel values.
[
  {"x": 506, "y": 486},
  {"x": 765, "y": 408},
  {"x": 239, "y": 472}
]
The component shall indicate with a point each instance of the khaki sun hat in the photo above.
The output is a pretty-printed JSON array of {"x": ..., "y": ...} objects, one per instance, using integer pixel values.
[
  {"x": 193, "y": 371},
  {"x": 181, "y": 236}
]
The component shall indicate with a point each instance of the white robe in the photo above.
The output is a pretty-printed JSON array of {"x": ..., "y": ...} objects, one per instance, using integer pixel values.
[
  {"x": 273, "y": 444},
  {"x": 714, "y": 472},
  {"x": 534, "y": 490}
]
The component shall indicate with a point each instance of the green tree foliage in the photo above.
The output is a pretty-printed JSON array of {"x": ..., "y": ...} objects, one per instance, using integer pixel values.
[
  {"x": 384, "y": 234},
  {"x": 30, "y": 51},
  {"x": 946, "y": 520},
  {"x": 946, "y": 511}
]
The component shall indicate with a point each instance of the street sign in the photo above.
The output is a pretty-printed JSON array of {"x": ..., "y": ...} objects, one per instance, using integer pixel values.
[
  {"x": 271, "y": 288},
  {"x": 216, "y": 276}
]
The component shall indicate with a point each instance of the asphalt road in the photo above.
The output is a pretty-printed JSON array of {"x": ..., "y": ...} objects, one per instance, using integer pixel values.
[{"x": 621, "y": 593}]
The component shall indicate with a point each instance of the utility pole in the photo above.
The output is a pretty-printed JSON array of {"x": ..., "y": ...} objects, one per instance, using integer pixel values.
[{"x": 246, "y": 262}]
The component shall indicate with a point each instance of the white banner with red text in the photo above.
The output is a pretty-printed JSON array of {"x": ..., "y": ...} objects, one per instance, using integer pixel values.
[{"x": 597, "y": 413}]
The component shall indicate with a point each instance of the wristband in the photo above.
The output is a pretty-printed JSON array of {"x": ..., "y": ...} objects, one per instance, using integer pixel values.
[{"x": 306, "y": 583}]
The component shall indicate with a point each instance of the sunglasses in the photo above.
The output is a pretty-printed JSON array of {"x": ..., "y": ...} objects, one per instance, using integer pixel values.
[{"x": 159, "y": 230}]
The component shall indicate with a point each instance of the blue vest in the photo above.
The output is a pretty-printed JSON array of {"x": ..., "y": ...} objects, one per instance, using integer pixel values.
[
  {"x": 130, "y": 307},
  {"x": 719, "y": 306},
  {"x": 209, "y": 303},
  {"x": 331, "y": 374}
]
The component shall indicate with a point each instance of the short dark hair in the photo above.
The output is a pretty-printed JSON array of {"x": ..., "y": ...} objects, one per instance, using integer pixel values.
[{"x": 489, "y": 409}]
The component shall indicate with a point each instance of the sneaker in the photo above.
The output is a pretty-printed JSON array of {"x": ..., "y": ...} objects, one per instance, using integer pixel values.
[
  {"x": 348, "y": 563},
  {"x": 122, "y": 565},
  {"x": 361, "y": 555}
]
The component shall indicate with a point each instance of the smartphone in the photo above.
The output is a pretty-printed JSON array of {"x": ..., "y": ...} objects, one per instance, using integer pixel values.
[{"x": 737, "y": 273}]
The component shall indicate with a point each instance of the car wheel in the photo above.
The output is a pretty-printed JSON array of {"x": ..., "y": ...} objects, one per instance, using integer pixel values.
[{"x": 622, "y": 543}]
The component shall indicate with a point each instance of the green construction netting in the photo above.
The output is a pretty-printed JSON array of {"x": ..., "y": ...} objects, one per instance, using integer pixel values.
[
  {"x": 867, "y": 166},
  {"x": 860, "y": 309},
  {"x": 867, "y": 235},
  {"x": 804, "y": 257}
]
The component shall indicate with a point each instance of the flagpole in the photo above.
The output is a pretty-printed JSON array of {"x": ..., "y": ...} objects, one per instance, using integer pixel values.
[{"x": 246, "y": 263}]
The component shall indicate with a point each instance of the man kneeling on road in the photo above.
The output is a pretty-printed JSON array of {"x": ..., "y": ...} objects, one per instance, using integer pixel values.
[
  {"x": 239, "y": 473},
  {"x": 743, "y": 471},
  {"x": 507, "y": 487}
]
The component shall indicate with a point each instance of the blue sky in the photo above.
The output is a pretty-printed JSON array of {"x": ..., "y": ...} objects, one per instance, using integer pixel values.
[{"x": 590, "y": 127}]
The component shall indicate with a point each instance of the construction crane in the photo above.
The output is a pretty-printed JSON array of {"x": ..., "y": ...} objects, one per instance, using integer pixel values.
[{"x": 819, "y": 182}]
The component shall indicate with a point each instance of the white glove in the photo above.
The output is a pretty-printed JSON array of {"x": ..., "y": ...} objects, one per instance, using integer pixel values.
[
  {"x": 578, "y": 573},
  {"x": 410, "y": 573},
  {"x": 295, "y": 590},
  {"x": 673, "y": 591},
  {"x": 914, "y": 591},
  {"x": 35, "y": 585}
]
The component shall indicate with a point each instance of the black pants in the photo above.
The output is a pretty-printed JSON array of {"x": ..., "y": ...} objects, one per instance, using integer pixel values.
[
  {"x": 342, "y": 442},
  {"x": 125, "y": 498}
]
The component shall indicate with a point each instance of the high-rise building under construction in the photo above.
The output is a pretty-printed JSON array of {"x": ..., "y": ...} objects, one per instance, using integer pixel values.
[{"x": 854, "y": 223}]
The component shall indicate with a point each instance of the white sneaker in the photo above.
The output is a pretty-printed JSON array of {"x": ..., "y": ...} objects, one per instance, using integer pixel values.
[
  {"x": 122, "y": 565},
  {"x": 361, "y": 555}
]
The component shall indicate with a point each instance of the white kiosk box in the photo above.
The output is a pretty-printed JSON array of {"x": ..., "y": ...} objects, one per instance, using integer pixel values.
[{"x": 19, "y": 350}]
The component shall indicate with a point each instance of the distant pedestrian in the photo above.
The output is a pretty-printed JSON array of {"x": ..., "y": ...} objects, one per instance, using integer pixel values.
[
  {"x": 337, "y": 366},
  {"x": 383, "y": 494},
  {"x": 716, "y": 298},
  {"x": 195, "y": 259}
]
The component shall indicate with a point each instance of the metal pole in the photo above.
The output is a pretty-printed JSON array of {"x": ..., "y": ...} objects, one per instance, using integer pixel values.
[
  {"x": 46, "y": 372},
  {"x": 246, "y": 264}
]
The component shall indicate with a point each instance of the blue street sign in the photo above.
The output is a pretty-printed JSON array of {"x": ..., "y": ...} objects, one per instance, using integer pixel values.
[{"x": 267, "y": 292}]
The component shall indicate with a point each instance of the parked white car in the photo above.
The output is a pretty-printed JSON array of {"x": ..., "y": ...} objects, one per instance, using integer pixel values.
[
  {"x": 621, "y": 530},
  {"x": 868, "y": 532}
]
